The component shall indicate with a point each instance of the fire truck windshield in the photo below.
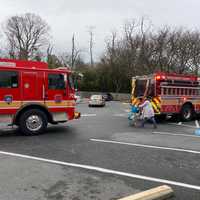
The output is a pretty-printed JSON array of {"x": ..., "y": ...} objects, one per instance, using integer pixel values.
[{"x": 140, "y": 88}]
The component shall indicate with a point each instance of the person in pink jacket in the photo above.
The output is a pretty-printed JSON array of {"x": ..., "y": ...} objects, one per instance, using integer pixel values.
[{"x": 147, "y": 112}]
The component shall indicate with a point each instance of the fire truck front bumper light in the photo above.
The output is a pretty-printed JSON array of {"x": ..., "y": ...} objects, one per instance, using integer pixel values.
[{"x": 77, "y": 115}]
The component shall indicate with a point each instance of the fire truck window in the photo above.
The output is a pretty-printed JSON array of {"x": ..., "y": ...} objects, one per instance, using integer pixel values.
[
  {"x": 8, "y": 79},
  {"x": 56, "y": 81},
  {"x": 140, "y": 87},
  {"x": 151, "y": 90}
]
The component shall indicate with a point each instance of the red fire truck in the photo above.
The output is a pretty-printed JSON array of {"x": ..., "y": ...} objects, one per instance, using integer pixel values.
[
  {"x": 31, "y": 95},
  {"x": 171, "y": 93}
]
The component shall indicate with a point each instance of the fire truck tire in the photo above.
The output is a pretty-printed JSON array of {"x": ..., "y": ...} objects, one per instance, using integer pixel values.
[
  {"x": 187, "y": 112},
  {"x": 33, "y": 122}
]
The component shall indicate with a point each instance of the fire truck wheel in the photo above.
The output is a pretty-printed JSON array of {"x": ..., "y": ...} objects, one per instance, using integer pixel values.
[
  {"x": 33, "y": 122},
  {"x": 187, "y": 112}
]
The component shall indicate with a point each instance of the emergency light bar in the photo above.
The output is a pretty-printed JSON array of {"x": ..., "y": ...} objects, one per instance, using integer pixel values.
[{"x": 160, "y": 77}]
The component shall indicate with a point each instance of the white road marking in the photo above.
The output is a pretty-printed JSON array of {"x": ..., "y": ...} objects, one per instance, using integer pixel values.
[
  {"x": 197, "y": 123},
  {"x": 104, "y": 170},
  {"x": 121, "y": 115},
  {"x": 189, "y": 126},
  {"x": 169, "y": 133},
  {"x": 175, "y": 134},
  {"x": 146, "y": 146},
  {"x": 88, "y": 115},
  {"x": 125, "y": 103}
]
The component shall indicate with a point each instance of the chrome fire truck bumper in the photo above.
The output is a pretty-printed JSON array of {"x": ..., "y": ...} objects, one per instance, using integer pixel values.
[
  {"x": 60, "y": 117},
  {"x": 6, "y": 120}
]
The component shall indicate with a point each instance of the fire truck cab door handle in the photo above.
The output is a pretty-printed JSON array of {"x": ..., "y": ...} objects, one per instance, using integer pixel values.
[{"x": 45, "y": 94}]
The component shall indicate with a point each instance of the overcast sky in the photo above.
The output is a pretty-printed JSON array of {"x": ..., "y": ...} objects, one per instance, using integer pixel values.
[{"x": 66, "y": 17}]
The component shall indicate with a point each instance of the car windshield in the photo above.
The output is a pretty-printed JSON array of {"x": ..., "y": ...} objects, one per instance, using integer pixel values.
[{"x": 96, "y": 97}]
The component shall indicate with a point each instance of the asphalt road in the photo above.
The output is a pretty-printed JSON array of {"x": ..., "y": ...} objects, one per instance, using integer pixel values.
[{"x": 100, "y": 157}]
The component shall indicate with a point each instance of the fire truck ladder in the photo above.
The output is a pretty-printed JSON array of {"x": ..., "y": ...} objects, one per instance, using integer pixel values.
[{"x": 168, "y": 90}]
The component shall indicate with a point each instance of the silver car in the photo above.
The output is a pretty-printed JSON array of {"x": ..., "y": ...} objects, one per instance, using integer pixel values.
[{"x": 97, "y": 100}]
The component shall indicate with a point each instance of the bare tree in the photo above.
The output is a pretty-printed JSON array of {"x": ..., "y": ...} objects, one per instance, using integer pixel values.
[
  {"x": 141, "y": 50},
  {"x": 195, "y": 46},
  {"x": 52, "y": 59},
  {"x": 26, "y": 35}
]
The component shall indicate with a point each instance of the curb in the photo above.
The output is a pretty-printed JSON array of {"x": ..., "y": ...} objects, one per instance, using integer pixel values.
[{"x": 158, "y": 193}]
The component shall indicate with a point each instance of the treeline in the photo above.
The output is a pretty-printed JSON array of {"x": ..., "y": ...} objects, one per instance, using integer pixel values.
[{"x": 137, "y": 49}]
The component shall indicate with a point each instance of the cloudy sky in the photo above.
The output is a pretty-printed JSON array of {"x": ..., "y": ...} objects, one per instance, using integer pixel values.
[{"x": 66, "y": 17}]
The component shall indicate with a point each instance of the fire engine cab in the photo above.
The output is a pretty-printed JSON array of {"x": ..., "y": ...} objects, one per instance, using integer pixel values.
[
  {"x": 31, "y": 95},
  {"x": 171, "y": 93}
]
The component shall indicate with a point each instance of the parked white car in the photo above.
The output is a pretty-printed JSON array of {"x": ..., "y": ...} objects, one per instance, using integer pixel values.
[{"x": 97, "y": 100}]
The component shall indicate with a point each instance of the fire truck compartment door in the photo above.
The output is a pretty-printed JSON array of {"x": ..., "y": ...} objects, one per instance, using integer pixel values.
[{"x": 29, "y": 84}]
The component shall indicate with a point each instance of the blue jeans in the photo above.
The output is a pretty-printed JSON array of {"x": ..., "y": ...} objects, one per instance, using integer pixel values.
[{"x": 151, "y": 119}]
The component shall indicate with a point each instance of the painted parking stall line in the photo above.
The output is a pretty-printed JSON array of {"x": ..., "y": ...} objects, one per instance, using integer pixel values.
[
  {"x": 146, "y": 146},
  {"x": 125, "y": 103},
  {"x": 120, "y": 115},
  {"x": 88, "y": 115},
  {"x": 180, "y": 124},
  {"x": 104, "y": 170},
  {"x": 176, "y": 134}
]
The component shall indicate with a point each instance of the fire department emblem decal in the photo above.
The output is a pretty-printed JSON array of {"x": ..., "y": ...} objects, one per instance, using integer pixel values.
[
  {"x": 8, "y": 99},
  {"x": 58, "y": 99}
]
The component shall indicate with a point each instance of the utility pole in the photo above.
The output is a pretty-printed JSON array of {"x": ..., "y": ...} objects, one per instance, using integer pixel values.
[
  {"x": 73, "y": 52},
  {"x": 91, "y": 28}
]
